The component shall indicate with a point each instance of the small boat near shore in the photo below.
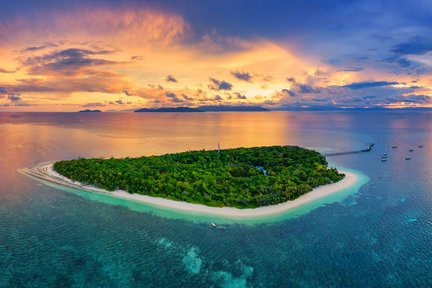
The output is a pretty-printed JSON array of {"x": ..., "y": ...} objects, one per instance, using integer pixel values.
[{"x": 407, "y": 158}]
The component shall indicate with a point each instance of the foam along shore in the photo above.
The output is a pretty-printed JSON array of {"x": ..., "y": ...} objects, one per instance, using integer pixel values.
[{"x": 45, "y": 172}]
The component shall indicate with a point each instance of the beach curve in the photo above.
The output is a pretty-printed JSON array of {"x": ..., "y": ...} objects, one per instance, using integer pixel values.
[{"x": 45, "y": 172}]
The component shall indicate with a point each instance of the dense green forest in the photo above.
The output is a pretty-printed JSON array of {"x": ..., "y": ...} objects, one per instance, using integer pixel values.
[{"x": 241, "y": 177}]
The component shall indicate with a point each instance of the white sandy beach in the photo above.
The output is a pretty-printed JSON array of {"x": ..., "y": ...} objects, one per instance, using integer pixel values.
[{"x": 45, "y": 172}]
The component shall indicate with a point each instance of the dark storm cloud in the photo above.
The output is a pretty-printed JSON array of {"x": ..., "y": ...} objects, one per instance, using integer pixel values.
[
  {"x": 351, "y": 69},
  {"x": 305, "y": 88},
  {"x": 407, "y": 66},
  {"x": 170, "y": 78},
  {"x": 40, "y": 47},
  {"x": 14, "y": 98},
  {"x": 187, "y": 98},
  {"x": 240, "y": 96},
  {"x": 173, "y": 97},
  {"x": 69, "y": 61},
  {"x": 416, "y": 46},
  {"x": 369, "y": 84},
  {"x": 243, "y": 76},
  {"x": 287, "y": 92},
  {"x": 300, "y": 88},
  {"x": 218, "y": 98},
  {"x": 378, "y": 94},
  {"x": 218, "y": 85}
]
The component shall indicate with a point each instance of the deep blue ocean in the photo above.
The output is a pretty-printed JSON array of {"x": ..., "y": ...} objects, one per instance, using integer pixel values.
[{"x": 379, "y": 236}]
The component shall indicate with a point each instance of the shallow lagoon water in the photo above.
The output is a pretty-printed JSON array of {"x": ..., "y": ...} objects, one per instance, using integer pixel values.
[
  {"x": 378, "y": 236},
  {"x": 219, "y": 219}
]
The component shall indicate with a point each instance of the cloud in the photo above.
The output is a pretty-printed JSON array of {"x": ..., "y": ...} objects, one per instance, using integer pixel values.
[
  {"x": 98, "y": 23},
  {"x": 240, "y": 96},
  {"x": 351, "y": 69},
  {"x": 14, "y": 98},
  {"x": 218, "y": 85},
  {"x": 170, "y": 78},
  {"x": 97, "y": 81},
  {"x": 306, "y": 89},
  {"x": 93, "y": 104},
  {"x": 299, "y": 88},
  {"x": 40, "y": 47},
  {"x": 69, "y": 61},
  {"x": 218, "y": 98},
  {"x": 243, "y": 76},
  {"x": 369, "y": 95},
  {"x": 286, "y": 92},
  {"x": 369, "y": 84},
  {"x": 416, "y": 46},
  {"x": 5, "y": 71},
  {"x": 20, "y": 104},
  {"x": 410, "y": 67},
  {"x": 173, "y": 97},
  {"x": 187, "y": 98}
]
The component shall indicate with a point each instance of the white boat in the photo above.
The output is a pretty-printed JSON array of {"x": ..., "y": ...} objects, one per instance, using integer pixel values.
[
  {"x": 408, "y": 158},
  {"x": 213, "y": 225}
]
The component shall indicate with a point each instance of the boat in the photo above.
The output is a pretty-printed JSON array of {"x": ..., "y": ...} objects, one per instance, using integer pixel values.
[
  {"x": 408, "y": 158},
  {"x": 384, "y": 155},
  {"x": 213, "y": 225},
  {"x": 411, "y": 150},
  {"x": 394, "y": 147},
  {"x": 383, "y": 159},
  {"x": 420, "y": 146}
]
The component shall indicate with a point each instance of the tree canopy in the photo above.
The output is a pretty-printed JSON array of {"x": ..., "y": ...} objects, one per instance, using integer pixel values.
[{"x": 240, "y": 177}]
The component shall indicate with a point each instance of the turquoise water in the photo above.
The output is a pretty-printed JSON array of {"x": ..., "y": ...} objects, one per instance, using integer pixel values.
[
  {"x": 197, "y": 217},
  {"x": 379, "y": 236}
]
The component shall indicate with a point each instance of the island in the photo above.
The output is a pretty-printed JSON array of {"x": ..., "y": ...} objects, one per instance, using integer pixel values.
[
  {"x": 240, "y": 177},
  {"x": 233, "y": 108},
  {"x": 212, "y": 108},
  {"x": 89, "y": 111},
  {"x": 170, "y": 109}
]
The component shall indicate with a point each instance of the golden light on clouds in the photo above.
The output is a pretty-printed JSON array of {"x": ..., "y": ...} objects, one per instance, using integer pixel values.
[{"x": 119, "y": 59}]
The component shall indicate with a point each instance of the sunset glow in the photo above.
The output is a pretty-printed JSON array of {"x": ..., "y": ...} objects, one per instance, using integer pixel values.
[{"x": 67, "y": 57}]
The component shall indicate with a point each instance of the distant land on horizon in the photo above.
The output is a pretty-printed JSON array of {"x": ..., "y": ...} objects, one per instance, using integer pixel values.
[
  {"x": 331, "y": 108},
  {"x": 222, "y": 108},
  {"x": 89, "y": 111}
]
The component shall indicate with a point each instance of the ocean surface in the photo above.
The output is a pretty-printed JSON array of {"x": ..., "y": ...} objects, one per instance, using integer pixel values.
[{"x": 377, "y": 236}]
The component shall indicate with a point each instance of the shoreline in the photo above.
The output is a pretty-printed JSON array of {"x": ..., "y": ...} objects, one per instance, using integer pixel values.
[{"x": 45, "y": 172}]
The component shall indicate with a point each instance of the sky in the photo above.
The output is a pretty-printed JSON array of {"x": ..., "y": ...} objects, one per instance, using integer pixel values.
[{"x": 61, "y": 55}]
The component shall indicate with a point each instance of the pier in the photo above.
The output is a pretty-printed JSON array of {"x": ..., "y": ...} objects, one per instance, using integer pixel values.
[{"x": 370, "y": 145}]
